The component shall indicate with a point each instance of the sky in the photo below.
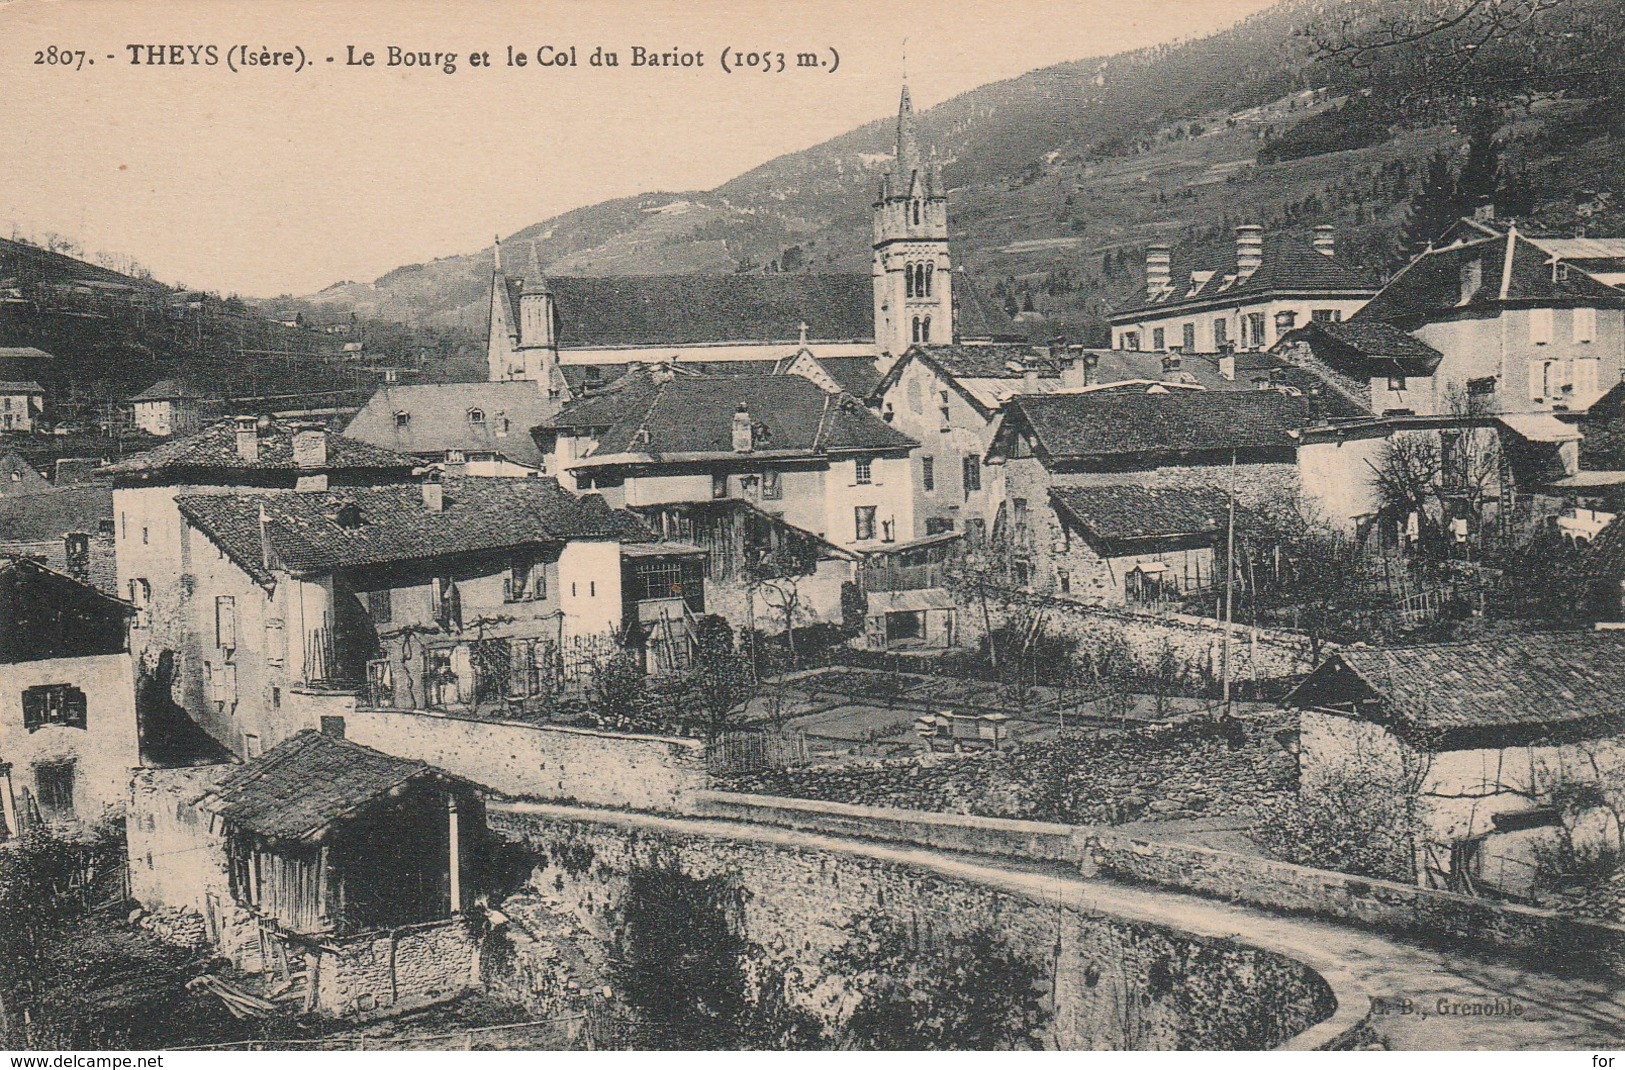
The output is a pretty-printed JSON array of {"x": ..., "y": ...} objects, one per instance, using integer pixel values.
[{"x": 269, "y": 180}]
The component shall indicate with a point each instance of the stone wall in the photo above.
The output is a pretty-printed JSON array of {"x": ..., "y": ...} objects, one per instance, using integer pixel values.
[
  {"x": 1110, "y": 984},
  {"x": 542, "y": 761},
  {"x": 953, "y": 832},
  {"x": 387, "y": 972},
  {"x": 1405, "y": 908},
  {"x": 1196, "y": 643}
]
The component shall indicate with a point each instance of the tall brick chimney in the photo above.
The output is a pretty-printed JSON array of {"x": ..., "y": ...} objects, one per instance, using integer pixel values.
[
  {"x": 248, "y": 438},
  {"x": 743, "y": 437},
  {"x": 1326, "y": 240},
  {"x": 310, "y": 456},
  {"x": 434, "y": 492},
  {"x": 1249, "y": 248},
  {"x": 1158, "y": 266}
]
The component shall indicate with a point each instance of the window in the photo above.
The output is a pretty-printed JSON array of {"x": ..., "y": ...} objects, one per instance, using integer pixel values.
[
  {"x": 1584, "y": 325},
  {"x": 1221, "y": 333},
  {"x": 1159, "y": 339},
  {"x": 225, "y": 622},
  {"x": 144, "y": 535},
  {"x": 971, "y": 469},
  {"x": 719, "y": 484},
  {"x": 1285, "y": 320},
  {"x": 751, "y": 487},
  {"x": 659, "y": 579},
  {"x": 1189, "y": 337},
  {"x": 1540, "y": 326},
  {"x": 61, "y": 704},
  {"x": 53, "y": 787},
  {"x": 928, "y": 474},
  {"x": 520, "y": 583},
  {"x": 938, "y": 525},
  {"x": 908, "y": 280},
  {"x": 500, "y": 424},
  {"x": 1064, "y": 580},
  {"x": 403, "y": 419},
  {"x": 772, "y": 487},
  {"x": 1540, "y": 379},
  {"x": 946, "y": 408},
  {"x": 929, "y": 271},
  {"x": 864, "y": 522},
  {"x": 140, "y": 598},
  {"x": 1131, "y": 340},
  {"x": 476, "y": 419},
  {"x": 864, "y": 467},
  {"x": 1327, "y": 315},
  {"x": 381, "y": 606},
  {"x": 455, "y": 457},
  {"x": 1253, "y": 330},
  {"x": 1396, "y": 382},
  {"x": 916, "y": 213},
  {"x": 1585, "y": 379}
]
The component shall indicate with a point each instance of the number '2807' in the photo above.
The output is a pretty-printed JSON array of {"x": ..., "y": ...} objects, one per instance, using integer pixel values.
[{"x": 60, "y": 57}]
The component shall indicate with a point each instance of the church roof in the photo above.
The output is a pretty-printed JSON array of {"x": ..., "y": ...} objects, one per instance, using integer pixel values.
[{"x": 675, "y": 310}]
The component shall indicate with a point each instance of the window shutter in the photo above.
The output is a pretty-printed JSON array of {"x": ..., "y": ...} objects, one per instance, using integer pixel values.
[
  {"x": 225, "y": 622},
  {"x": 1585, "y": 324},
  {"x": 1537, "y": 379},
  {"x": 1540, "y": 326},
  {"x": 276, "y": 641},
  {"x": 33, "y": 708}
]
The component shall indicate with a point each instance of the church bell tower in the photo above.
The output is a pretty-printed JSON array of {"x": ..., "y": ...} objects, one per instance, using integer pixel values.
[{"x": 913, "y": 278}]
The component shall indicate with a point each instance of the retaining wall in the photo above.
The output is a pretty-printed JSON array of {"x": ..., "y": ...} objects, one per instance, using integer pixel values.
[{"x": 542, "y": 761}]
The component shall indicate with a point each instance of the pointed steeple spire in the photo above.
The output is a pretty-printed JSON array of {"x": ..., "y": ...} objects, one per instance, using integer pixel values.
[
  {"x": 535, "y": 281},
  {"x": 496, "y": 256},
  {"x": 908, "y": 146}
]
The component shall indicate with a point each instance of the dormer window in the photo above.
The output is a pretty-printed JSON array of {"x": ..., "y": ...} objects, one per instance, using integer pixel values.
[
  {"x": 476, "y": 419},
  {"x": 500, "y": 424},
  {"x": 1472, "y": 278},
  {"x": 403, "y": 419}
]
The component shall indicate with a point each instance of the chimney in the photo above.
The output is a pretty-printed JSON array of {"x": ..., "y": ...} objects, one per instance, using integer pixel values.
[
  {"x": 1157, "y": 269},
  {"x": 1227, "y": 363},
  {"x": 309, "y": 446},
  {"x": 434, "y": 492},
  {"x": 267, "y": 557},
  {"x": 742, "y": 436},
  {"x": 76, "y": 554},
  {"x": 1326, "y": 240},
  {"x": 1249, "y": 248},
  {"x": 248, "y": 438},
  {"x": 1170, "y": 363}
]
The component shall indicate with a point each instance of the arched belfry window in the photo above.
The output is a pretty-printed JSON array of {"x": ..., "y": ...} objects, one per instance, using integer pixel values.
[
  {"x": 929, "y": 271},
  {"x": 925, "y": 329},
  {"x": 908, "y": 279},
  {"x": 916, "y": 328},
  {"x": 916, "y": 213}
]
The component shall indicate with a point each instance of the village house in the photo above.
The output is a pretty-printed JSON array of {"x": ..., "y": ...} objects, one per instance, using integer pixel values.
[
  {"x": 68, "y": 732},
  {"x": 811, "y": 476},
  {"x": 1498, "y": 744},
  {"x": 17, "y": 476},
  {"x": 460, "y": 595},
  {"x": 172, "y": 407},
  {"x": 1518, "y": 328},
  {"x": 1273, "y": 285},
  {"x": 911, "y": 295},
  {"x": 1138, "y": 449},
  {"x": 322, "y": 867},
  {"x": 1382, "y": 368},
  {"x": 69, "y": 529},
  {"x": 22, "y": 398},
  {"x": 477, "y": 429}
]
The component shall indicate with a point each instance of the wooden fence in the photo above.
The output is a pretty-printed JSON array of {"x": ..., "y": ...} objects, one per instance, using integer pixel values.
[{"x": 749, "y": 752}]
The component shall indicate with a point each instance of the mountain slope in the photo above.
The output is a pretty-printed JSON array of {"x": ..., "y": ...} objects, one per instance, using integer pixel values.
[{"x": 1059, "y": 177}]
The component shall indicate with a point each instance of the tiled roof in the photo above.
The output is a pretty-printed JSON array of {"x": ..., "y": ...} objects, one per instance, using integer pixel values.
[
  {"x": 215, "y": 448},
  {"x": 54, "y": 512},
  {"x": 856, "y": 375},
  {"x": 306, "y": 783},
  {"x": 17, "y": 476},
  {"x": 1432, "y": 285},
  {"x": 172, "y": 390},
  {"x": 438, "y": 419},
  {"x": 655, "y": 310},
  {"x": 1117, "y": 511},
  {"x": 1526, "y": 680},
  {"x": 996, "y": 361},
  {"x": 315, "y": 533},
  {"x": 695, "y": 415},
  {"x": 1288, "y": 266},
  {"x": 20, "y": 386},
  {"x": 1379, "y": 341},
  {"x": 1104, "y": 423}
]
